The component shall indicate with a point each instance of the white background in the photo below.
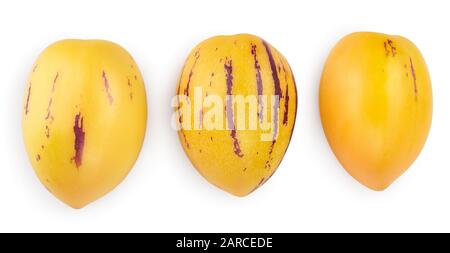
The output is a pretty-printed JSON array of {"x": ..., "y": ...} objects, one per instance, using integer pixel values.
[{"x": 310, "y": 192}]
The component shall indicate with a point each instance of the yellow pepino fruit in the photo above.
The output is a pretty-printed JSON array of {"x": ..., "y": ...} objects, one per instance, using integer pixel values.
[
  {"x": 84, "y": 118},
  {"x": 236, "y": 109},
  {"x": 375, "y": 105}
]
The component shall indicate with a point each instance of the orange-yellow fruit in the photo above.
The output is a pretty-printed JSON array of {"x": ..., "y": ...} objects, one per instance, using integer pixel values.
[
  {"x": 84, "y": 118},
  {"x": 240, "y": 159},
  {"x": 375, "y": 105}
]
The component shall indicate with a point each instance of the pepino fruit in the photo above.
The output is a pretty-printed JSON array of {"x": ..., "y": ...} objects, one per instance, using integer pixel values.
[
  {"x": 84, "y": 118},
  {"x": 375, "y": 105},
  {"x": 235, "y": 108}
]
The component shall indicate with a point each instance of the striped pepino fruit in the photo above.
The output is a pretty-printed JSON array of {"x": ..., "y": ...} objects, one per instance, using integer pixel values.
[
  {"x": 376, "y": 105},
  {"x": 235, "y": 108},
  {"x": 84, "y": 118}
]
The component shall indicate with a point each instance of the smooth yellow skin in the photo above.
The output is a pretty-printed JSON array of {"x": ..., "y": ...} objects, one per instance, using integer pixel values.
[
  {"x": 100, "y": 82},
  {"x": 211, "y": 151},
  {"x": 375, "y": 106}
]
